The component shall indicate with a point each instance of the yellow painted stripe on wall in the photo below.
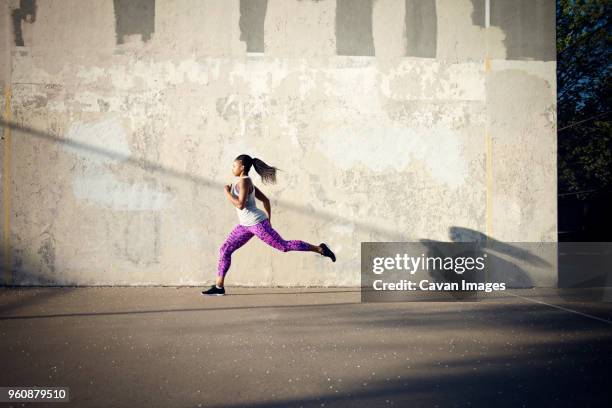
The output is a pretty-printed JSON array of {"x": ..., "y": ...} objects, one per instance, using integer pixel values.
[
  {"x": 489, "y": 144},
  {"x": 489, "y": 168}
]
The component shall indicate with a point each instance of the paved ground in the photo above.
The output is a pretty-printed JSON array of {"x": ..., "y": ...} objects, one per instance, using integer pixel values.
[{"x": 282, "y": 347}]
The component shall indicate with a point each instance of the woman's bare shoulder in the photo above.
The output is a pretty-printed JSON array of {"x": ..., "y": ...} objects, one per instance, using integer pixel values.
[{"x": 244, "y": 182}]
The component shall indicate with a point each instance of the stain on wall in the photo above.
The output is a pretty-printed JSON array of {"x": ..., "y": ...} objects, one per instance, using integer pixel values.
[
  {"x": 140, "y": 240},
  {"x": 252, "y": 17},
  {"x": 529, "y": 26},
  {"x": 354, "y": 27},
  {"x": 478, "y": 12},
  {"x": 421, "y": 28},
  {"x": 26, "y": 12},
  {"x": 134, "y": 17},
  {"x": 47, "y": 251}
]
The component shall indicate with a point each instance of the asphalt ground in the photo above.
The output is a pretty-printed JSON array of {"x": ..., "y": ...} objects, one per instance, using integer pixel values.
[{"x": 306, "y": 347}]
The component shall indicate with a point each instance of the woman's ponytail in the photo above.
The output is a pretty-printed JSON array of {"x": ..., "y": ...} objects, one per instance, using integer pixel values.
[{"x": 267, "y": 173}]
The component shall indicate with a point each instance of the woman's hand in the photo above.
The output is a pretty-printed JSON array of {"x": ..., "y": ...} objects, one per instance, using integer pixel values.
[{"x": 228, "y": 188}]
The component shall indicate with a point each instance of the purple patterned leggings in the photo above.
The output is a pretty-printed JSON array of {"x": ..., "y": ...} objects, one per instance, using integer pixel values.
[{"x": 241, "y": 234}]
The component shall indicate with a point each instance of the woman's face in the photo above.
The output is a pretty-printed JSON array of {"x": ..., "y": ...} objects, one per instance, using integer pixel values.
[{"x": 237, "y": 168}]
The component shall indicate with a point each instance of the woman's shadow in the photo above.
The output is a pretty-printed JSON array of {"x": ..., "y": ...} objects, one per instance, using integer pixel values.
[{"x": 503, "y": 262}]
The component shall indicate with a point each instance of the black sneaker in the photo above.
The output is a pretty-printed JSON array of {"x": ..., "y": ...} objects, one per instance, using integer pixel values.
[
  {"x": 214, "y": 291},
  {"x": 328, "y": 252}
]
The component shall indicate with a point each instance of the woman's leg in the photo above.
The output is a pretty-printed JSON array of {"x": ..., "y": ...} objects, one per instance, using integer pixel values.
[
  {"x": 267, "y": 234},
  {"x": 239, "y": 236}
]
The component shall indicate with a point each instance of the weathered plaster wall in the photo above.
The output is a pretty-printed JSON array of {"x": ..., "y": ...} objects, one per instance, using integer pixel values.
[
  {"x": 5, "y": 46},
  {"x": 126, "y": 121},
  {"x": 6, "y": 40}
]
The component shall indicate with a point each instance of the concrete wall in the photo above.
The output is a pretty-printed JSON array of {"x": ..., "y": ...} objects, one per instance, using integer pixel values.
[{"x": 393, "y": 120}]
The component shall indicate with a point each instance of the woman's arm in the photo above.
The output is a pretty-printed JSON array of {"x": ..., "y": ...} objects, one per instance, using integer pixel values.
[
  {"x": 239, "y": 202},
  {"x": 266, "y": 203}
]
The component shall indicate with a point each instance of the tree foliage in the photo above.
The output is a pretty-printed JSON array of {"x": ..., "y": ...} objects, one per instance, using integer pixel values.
[{"x": 584, "y": 46}]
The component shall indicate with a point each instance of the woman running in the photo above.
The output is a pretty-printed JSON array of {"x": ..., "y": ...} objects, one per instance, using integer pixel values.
[{"x": 252, "y": 220}]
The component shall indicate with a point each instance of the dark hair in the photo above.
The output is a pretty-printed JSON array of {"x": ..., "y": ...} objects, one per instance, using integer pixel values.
[{"x": 267, "y": 173}]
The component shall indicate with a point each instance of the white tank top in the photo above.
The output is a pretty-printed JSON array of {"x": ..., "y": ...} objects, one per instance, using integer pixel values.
[{"x": 250, "y": 214}]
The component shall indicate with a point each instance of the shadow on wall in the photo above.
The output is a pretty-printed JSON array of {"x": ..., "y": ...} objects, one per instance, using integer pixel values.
[
  {"x": 505, "y": 262},
  {"x": 578, "y": 264},
  {"x": 201, "y": 181},
  {"x": 570, "y": 265},
  {"x": 372, "y": 231},
  {"x": 153, "y": 167},
  {"x": 32, "y": 294}
]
